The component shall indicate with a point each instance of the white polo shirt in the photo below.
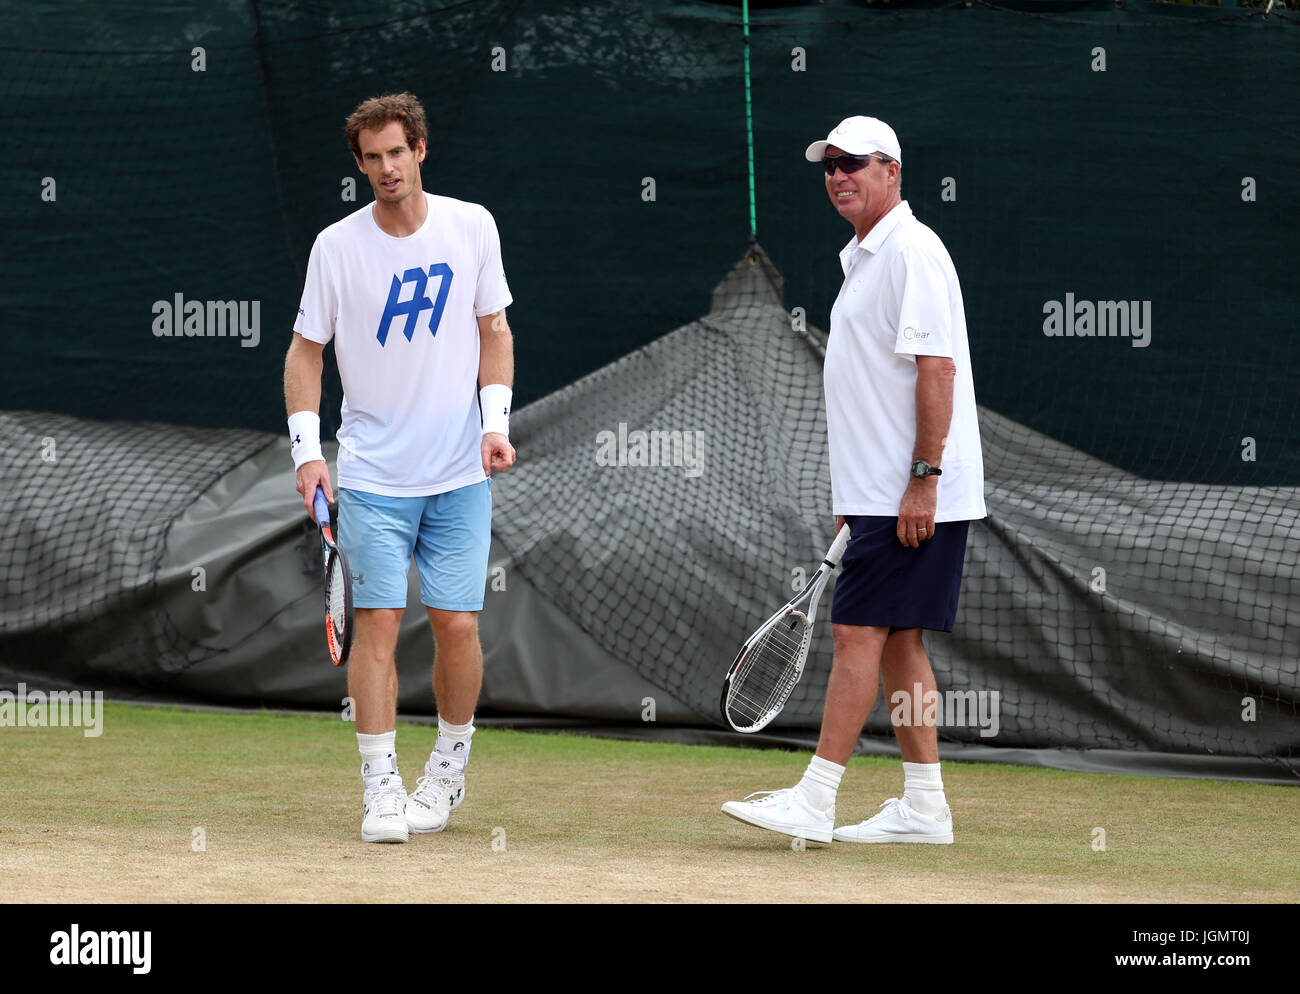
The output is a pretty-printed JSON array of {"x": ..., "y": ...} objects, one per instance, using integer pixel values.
[
  {"x": 402, "y": 315},
  {"x": 900, "y": 299}
]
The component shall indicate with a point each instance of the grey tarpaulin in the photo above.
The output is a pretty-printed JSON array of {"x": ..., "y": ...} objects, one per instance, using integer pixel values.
[
  {"x": 1104, "y": 611},
  {"x": 1122, "y": 623},
  {"x": 248, "y": 627}
]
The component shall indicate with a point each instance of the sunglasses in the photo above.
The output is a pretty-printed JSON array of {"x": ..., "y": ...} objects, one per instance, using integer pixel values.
[{"x": 848, "y": 164}]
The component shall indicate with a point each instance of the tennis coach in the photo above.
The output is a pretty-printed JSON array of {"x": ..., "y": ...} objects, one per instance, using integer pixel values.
[{"x": 907, "y": 475}]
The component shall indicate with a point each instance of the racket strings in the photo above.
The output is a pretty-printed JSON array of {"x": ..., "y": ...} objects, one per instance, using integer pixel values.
[
  {"x": 336, "y": 594},
  {"x": 769, "y": 671}
]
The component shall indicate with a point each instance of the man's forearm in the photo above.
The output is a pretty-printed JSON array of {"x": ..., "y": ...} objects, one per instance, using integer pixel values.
[
  {"x": 934, "y": 387},
  {"x": 496, "y": 363},
  {"x": 302, "y": 376}
]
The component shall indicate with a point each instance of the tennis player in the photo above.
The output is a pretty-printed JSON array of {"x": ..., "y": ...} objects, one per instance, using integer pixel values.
[
  {"x": 411, "y": 291},
  {"x": 907, "y": 474}
]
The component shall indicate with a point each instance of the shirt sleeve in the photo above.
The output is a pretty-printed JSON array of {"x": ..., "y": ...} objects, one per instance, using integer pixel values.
[
  {"x": 491, "y": 294},
  {"x": 925, "y": 313},
  {"x": 318, "y": 310}
]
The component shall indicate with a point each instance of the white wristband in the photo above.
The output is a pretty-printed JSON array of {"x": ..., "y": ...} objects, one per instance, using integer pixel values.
[
  {"x": 304, "y": 437},
  {"x": 495, "y": 401}
]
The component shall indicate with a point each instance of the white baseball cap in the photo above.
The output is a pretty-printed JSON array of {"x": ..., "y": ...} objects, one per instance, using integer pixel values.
[{"x": 859, "y": 136}]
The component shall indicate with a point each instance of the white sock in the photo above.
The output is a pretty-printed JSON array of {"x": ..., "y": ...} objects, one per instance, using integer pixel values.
[
  {"x": 451, "y": 751},
  {"x": 820, "y": 782},
  {"x": 378, "y": 758},
  {"x": 923, "y": 788}
]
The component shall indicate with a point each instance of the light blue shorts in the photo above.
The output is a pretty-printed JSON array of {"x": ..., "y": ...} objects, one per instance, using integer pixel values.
[{"x": 449, "y": 535}]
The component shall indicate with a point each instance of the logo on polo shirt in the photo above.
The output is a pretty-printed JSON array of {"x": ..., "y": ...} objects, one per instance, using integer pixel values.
[
  {"x": 417, "y": 303},
  {"x": 915, "y": 334}
]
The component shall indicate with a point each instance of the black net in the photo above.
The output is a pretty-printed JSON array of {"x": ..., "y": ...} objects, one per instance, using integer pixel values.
[
  {"x": 661, "y": 563},
  {"x": 1099, "y": 610},
  {"x": 87, "y": 506},
  {"x": 1133, "y": 587}
]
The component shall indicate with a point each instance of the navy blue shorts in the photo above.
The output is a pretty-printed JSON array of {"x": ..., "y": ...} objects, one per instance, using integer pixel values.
[{"x": 883, "y": 583}]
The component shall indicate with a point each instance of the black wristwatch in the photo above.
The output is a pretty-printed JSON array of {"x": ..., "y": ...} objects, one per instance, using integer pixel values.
[{"x": 921, "y": 469}]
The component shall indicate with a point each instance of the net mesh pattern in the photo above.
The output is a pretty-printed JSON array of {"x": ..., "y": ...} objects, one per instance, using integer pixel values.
[
  {"x": 87, "y": 506},
  {"x": 661, "y": 563},
  {"x": 1104, "y": 610}
]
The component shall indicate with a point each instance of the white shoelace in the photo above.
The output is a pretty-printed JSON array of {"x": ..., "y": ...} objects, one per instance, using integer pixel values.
[
  {"x": 766, "y": 794},
  {"x": 892, "y": 806},
  {"x": 432, "y": 790},
  {"x": 387, "y": 802}
]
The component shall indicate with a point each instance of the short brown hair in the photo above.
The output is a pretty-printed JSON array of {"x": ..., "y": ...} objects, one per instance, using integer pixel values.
[{"x": 377, "y": 113}]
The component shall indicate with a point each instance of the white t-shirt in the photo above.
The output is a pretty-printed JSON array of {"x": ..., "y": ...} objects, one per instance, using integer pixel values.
[
  {"x": 900, "y": 299},
  {"x": 402, "y": 314}
]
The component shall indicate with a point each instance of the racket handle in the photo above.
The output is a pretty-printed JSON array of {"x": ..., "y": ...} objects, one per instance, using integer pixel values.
[
  {"x": 837, "y": 548},
  {"x": 322, "y": 507}
]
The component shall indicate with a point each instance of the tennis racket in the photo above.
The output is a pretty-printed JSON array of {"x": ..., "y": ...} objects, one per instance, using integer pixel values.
[
  {"x": 771, "y": 661},
  {"x": 338, "y": 586}
]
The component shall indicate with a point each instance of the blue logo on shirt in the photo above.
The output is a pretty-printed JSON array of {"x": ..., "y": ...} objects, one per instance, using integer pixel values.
[{"x": 419, "y": 301}]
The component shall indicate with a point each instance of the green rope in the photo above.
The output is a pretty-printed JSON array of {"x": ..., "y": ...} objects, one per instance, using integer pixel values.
[{"x": 749, "y": 128}]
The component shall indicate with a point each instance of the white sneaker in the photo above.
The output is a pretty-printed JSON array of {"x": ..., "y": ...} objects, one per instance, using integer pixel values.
[
  {"x": 897, "y": 822},
  {"x": 385, "y": 818},
  {"x": 786, "y": 811},
  {"x": 437, "y": 794}
]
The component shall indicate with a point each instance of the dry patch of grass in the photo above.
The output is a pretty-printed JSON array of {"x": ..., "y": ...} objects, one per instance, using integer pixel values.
[{"x": 569, "y": 818}]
